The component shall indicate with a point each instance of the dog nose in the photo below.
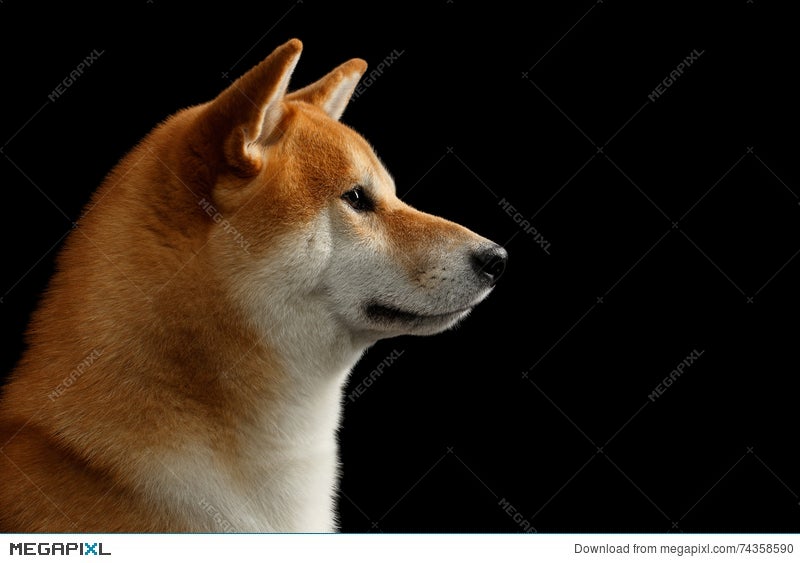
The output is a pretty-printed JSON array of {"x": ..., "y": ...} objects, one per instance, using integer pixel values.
[{"x": 490, "y": 262}]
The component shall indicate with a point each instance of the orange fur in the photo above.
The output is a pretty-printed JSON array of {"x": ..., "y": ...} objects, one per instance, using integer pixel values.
[{"x": 136, "y": 281}]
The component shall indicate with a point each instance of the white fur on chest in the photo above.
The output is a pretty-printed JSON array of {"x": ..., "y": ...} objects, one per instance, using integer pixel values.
[
  {"x": 283, "y": 478},
  {"x": 285, "y": 473}
]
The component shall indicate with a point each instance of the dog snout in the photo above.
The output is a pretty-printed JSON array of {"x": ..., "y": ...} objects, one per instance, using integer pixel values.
[{"x": 489, "y": 262}]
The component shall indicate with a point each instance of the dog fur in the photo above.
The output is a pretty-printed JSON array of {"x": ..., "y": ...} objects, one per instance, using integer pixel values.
[{"x": 184, "y": 370}]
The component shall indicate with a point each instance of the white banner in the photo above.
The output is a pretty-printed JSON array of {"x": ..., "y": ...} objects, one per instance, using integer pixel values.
[{"x": 403, "y": 548}]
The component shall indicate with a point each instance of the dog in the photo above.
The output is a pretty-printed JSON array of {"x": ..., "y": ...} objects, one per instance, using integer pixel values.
[{"x": 184, "y": 370}]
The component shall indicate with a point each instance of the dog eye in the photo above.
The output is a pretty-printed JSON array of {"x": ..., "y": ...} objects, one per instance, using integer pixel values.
[{"x": 357, "y": 199}]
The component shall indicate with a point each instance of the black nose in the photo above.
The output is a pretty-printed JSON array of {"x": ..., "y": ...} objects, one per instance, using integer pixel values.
[{"x": 490, "y": 262}]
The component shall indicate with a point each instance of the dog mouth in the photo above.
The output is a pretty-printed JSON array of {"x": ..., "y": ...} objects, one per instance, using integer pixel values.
[{"x": 378, "y": 312}]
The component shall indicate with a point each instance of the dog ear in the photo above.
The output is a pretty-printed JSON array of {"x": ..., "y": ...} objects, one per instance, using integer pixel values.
[
  {"x": 332, "y": 92},
  {"x": 245, "y": 114}
]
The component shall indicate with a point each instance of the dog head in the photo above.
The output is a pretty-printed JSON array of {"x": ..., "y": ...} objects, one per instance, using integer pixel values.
[{"x": 316, "y": 213}]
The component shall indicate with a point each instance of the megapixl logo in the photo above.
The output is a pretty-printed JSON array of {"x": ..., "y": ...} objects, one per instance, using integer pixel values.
[{"x": 46, "y": 548}]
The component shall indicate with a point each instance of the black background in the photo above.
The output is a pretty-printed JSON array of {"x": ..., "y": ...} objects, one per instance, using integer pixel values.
[{"x": 673, "y": 226}]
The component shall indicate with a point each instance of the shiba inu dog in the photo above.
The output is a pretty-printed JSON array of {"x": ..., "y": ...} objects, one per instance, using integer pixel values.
[{"x": 185, "y": 367}]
